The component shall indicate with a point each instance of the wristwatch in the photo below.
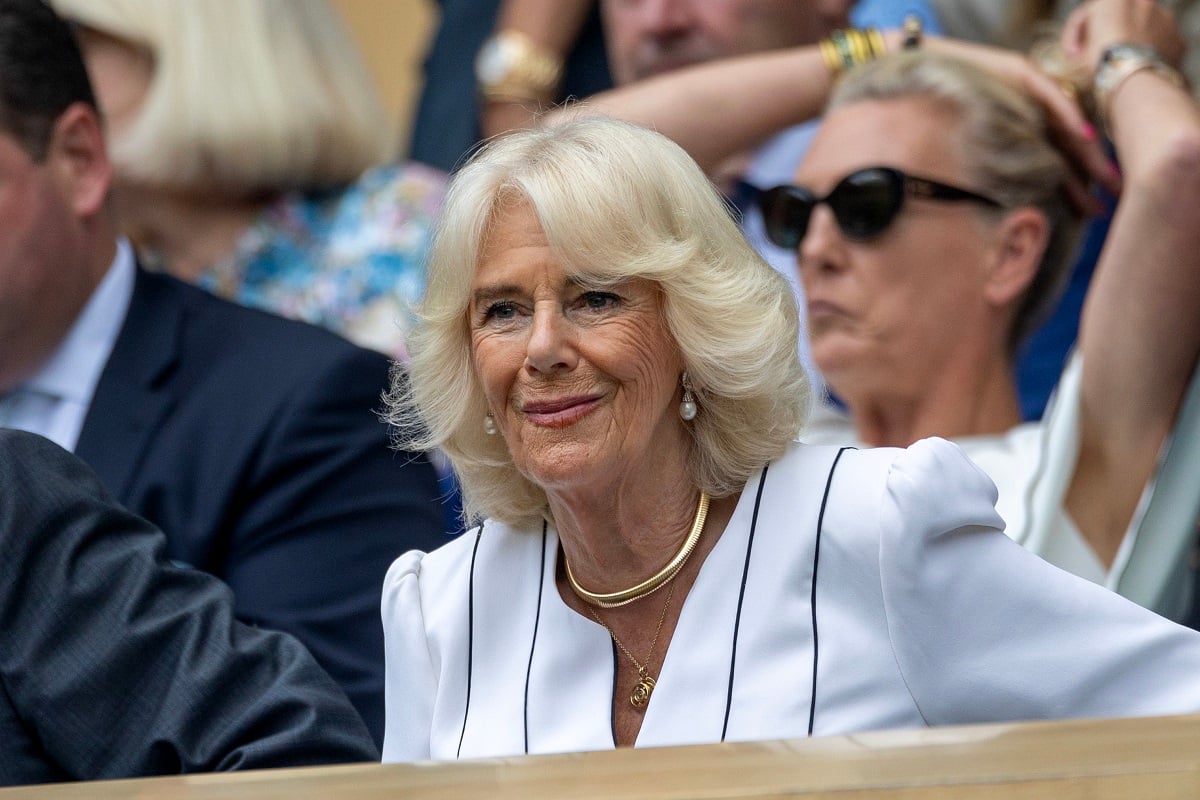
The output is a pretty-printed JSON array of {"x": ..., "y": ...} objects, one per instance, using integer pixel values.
[
  {"x": 1118, "y": 62},
  {"x": 512, "y": 67}
]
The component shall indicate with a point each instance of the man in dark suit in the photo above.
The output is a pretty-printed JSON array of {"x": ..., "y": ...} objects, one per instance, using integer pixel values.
[
  {"x": 116, "y": 663},
  {"x": 250, "y": 440}
]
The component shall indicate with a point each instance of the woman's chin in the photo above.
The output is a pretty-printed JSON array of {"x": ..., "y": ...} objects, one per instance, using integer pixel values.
[{"x": 563, "y": 465}]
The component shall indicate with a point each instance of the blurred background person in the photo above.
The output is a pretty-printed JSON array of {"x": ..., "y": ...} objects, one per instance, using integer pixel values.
[
  {"x": 1026, "y": 25},
  {"x": 253, "y": 157},
  {"x": 252, "y": 441}
]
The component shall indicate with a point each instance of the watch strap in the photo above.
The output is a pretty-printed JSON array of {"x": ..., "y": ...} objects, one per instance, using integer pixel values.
[{"x": 1117, "y": 64}]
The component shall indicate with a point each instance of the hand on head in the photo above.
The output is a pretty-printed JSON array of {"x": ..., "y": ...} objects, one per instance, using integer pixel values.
[{"x": 1070, "y": 129}]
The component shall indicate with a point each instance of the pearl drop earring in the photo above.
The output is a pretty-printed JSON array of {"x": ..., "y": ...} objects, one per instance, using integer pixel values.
[
  {"x": 489, "y": 424},
  {"x": 687, "y": 409}
]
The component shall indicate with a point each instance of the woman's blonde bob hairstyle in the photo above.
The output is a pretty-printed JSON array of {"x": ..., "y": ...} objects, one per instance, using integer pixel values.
[
  {"x": 248, "y": 97},
  {"x": 615, "y": 202}
]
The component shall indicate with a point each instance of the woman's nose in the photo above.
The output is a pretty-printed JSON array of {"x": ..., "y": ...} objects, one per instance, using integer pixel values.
[
  {"x": 819, "y": 247},
  {"x": 551, "y": 346}
]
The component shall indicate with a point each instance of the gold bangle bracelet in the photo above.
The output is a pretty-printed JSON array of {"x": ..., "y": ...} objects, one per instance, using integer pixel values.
[
  {"x": 878, "y": 47},
  {"x": 829, "y": 55},
  {"x": 862, "y": 54},
  {"x": 847, "y": 48}
]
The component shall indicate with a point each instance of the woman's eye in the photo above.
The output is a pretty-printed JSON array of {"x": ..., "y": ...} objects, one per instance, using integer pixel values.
[
  {"x": 598, "y": 300},
  {"x": 502, "y": 309}
]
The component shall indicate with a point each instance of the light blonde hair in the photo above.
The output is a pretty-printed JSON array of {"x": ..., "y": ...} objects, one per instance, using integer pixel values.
[
  {"x": 248, "y": 96},
  {"x": 1007, "y": 149},
  {"x": 615, "y": 201}
]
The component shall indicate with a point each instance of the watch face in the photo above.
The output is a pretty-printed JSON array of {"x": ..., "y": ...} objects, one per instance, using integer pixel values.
[
  {"x": 1120, "y": 51},
  {"x": 492, "y": 63}
]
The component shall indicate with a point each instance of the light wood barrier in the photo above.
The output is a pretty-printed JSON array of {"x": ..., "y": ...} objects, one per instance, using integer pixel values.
[{"x": 1135, "y": 758}]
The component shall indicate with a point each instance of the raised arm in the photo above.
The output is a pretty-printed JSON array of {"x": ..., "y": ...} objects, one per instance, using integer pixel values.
[
  {"x": 1140, "y": 331},
  {"x": 722, "y": 108}
]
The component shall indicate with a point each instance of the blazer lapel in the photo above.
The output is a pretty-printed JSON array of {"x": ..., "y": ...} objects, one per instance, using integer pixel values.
[{"x": 134, "y": 393}]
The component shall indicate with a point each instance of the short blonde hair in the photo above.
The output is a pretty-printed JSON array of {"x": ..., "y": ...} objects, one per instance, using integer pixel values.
[
  {"x": 1008, "y": 151},
  {"x": 615, "y": 201},
  {"x": 248, "y": 96}
]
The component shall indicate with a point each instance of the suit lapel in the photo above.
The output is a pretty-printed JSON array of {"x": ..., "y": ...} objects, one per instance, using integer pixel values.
[{"x": 135, "y": 391}]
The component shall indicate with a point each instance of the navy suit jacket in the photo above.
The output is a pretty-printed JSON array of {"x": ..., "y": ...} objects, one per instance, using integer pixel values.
[
  {"x": 114, "y": 663},
  {"x": 254, "y": 443}
]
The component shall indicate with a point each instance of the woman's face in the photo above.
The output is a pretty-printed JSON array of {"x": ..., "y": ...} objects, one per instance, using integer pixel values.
[
  {"x": 889, "y": 315},
  {"x": 583, "y": 384}
]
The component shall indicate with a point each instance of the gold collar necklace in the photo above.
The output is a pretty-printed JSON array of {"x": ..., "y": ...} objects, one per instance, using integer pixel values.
[{"x": 655, "y": 581}]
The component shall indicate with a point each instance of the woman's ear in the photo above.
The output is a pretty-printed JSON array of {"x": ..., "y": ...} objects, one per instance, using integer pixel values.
[
  {"x": 78, "y": 158},
  {"x": 1021, "y": 240}
]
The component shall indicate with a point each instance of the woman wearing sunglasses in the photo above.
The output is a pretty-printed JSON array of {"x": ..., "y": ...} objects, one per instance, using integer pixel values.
[
  {"x": 934, "y": 232},
  {"x": 934, "y": 221}
]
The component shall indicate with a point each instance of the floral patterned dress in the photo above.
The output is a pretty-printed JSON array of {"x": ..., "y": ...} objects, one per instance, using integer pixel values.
[{"x": 350, "y": 260}]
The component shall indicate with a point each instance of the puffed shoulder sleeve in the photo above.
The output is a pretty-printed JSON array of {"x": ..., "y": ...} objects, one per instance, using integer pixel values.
[
  {"x": 410, "y": 684},
  {"x": 983, "y": 630}
]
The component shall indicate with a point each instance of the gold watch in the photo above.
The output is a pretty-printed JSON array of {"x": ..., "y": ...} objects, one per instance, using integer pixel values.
[{"x": 512, "y": 67}]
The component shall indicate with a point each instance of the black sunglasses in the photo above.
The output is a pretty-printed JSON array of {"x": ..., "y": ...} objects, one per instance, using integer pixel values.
[{"x": 864, "y": 203}]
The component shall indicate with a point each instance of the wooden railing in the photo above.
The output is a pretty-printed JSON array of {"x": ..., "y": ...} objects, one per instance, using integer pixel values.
[{"x": 1099, "y": 759}]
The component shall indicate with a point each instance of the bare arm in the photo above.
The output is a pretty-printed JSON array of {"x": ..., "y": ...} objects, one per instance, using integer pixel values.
[
  {"x": 1140, "y": 330},
  {"x": 722, "y": 108}
]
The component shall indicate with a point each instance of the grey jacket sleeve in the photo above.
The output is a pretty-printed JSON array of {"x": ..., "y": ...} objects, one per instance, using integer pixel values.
[{"x": 114, "y": 663}]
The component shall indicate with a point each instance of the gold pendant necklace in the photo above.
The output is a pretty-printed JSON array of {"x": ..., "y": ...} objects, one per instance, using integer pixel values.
[
  {"x": 655, "y": 581},
  {"x": 640, "y": 696}
]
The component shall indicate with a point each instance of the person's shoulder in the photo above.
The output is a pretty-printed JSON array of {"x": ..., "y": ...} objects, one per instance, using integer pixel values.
[
  {"x": 930, "y": 454},
  {"x": 938, "y": 460},
  {"x": 932, "y": 486},
  {"x": 32, "y": 464},
  {"x": 930, "y": 483},
  {"x": 37, "y": 478},
  {"x": 18, "y": 446},
  {"x": 213, "y": 311},
  {"x": 435, "y": 571},
  {"x": 239, "y": 332},
  {"x": 434, "y": 565},
  {"x": 806, "y": 458}
]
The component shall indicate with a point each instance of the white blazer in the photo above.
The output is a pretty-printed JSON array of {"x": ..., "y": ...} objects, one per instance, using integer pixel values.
[{"x": 910, "y": 608}]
